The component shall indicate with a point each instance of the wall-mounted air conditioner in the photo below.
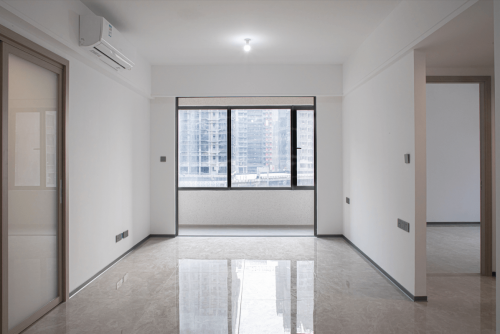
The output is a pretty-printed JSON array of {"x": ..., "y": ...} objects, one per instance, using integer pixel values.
[{"x": 103, "y": 40}]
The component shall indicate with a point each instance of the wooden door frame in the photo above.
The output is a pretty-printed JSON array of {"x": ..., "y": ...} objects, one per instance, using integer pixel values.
[
  {"x": 485, "y": 133},
  {"x": 9, "y": 41}
]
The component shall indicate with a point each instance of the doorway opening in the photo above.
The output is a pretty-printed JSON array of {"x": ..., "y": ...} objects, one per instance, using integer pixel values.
[
  {"x": 34, "y": 240},
  {"x": 459, "y": 175}
]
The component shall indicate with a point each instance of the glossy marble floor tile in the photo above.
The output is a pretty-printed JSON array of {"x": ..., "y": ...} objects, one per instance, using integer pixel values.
[
  {"x": 266, "y": 285},
  {"x": 453, "y": 249}
]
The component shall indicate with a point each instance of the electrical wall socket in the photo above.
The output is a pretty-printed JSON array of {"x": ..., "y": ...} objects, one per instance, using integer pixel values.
[
  {"x": 125, "y": 277},
  {"x": 121, "y": 236},
  {"x": 119, "y": 283},
  {"x": 348, "y": 200}
]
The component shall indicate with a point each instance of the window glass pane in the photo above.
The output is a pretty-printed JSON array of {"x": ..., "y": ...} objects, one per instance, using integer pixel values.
[
  {"x": 202, "y": 148},
  {"x": 260, "y": 148},
  {"x": 305, "y": 140}
]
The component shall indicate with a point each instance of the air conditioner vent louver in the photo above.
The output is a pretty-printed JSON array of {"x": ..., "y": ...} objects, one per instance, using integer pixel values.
[{"x": 102, "y": 53}]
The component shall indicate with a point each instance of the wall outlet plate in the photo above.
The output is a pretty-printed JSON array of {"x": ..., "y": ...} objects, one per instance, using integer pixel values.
[
  {"x": 348, "y": 200},
  {"x": 163, "y": 159},
  {"x": 125, "y": 234},
  {"x": 119, "y": 283},
  {"x": 405, "y": 226},
  {"x": 407, "y": 158},
  {"x": 125, "y": 277},
  {"x": 118, "y": 237}
]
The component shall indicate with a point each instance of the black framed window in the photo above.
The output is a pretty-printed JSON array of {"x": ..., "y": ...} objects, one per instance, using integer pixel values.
[
  {"x": 305, "y": 148},
  {"x": 260, "y": 148},
  {"x": 202, "y": 148},
  {"x": 246, "y": 147}
]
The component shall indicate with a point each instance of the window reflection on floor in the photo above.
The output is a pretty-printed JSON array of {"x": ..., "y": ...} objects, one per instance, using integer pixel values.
[
  {"x": 305, "y": 296},
  {"x": 265, "y": 304},
  {"x": 246, "y": 296},
  {"x": 203, "y": 301}
]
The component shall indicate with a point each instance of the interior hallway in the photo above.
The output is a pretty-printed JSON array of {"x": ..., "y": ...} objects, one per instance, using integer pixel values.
[{"x": 312, "y": 284}]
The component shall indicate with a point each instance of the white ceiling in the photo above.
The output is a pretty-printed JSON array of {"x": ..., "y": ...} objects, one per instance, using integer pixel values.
[
  {"x": 465, "y": 41},
  {"x": 212, "y": 32}
]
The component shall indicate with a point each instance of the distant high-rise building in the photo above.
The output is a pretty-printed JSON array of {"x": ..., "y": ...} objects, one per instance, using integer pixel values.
[
  {"x": 260, "y": 145},
  {"x": 260, "y": 148},
  {"x": 203, "y": 148},
  {"x": 305, "y": 140}
]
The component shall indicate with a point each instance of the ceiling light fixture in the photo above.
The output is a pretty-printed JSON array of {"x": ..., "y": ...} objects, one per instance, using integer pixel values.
[{"x": 247, "y": 46}]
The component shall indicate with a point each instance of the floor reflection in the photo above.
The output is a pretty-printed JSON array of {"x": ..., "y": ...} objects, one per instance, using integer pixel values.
[
  {"x": 203, "y": 296},
  {"x": 246, "y": 296},
  {"x": 284, "y": 285},
  {"x": 305, "y": 296}
]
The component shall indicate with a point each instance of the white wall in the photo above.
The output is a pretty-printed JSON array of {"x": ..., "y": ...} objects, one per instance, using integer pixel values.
[
  {"x": 379, "y": 124},
  {"x": 246, "y": 207},
  {"x": 163, "y": 173},
  {"x": 109, "y": 170},
  {"x": 329, "y": 169},
  {"x": 247, "y": 80},
  {"x": 408, "y": 24},
  {"x": 324, "y": 81},
  {"x": 56, "y": 23},
  {"x": 453, "y": 153},
  {"x": 108, "y": 139},
  {"x": 388, "y": 47}
]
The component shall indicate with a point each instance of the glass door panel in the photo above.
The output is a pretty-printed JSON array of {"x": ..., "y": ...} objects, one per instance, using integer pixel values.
[{"x": 33, "y": 201}]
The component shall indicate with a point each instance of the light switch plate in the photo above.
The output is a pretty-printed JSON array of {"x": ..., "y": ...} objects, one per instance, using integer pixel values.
[
  {"x": 348, "y": 200},
  {"x": 405, "y": 226},
  {"x": 118, "y": 237},
  {"x": 163, "y": 159},
  {"x": 125, "y": 277},
  {"x": 125, "y": 234},
  {"x": 407, "y": 158}
]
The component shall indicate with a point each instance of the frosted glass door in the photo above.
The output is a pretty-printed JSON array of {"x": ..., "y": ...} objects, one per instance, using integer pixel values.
[{"x": 33, "y": 201}]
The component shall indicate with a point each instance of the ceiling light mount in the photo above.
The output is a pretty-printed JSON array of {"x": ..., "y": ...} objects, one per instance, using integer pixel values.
[{"x": 247, "y": 46}]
